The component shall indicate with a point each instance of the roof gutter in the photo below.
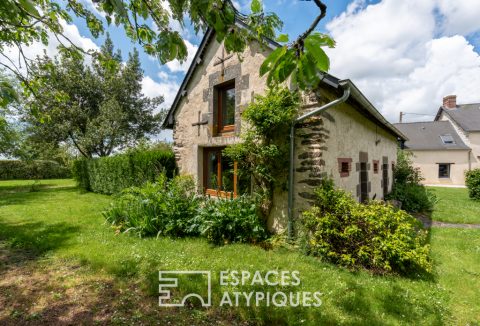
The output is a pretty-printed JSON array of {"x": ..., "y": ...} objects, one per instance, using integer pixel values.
[{"x": 346, "y": 94}]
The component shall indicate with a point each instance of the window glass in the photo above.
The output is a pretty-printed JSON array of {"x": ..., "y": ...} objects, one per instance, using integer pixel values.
[
  {"x": 212, "y": 170},
  {"x": 228, "y": 106},
  {"x": 219, "y": 172},
  {"x": 444, "y": 170},
  {"x": 447, "y": 139},
  {"x": 227, "y": 175}
]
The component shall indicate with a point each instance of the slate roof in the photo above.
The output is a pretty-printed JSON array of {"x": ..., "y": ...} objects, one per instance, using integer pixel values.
[
  {"x": 426, "y": 135},
  {"x": 467, "y": 116}
]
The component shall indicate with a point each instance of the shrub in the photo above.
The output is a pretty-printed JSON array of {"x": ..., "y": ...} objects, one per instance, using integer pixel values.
[
  {"x": 161, "y": 208},
  {"x": 414, "y": 197},
  {"x": 472, "y": 180},
  {"x": 224, "y": 221},
  {"x": 111, "y": 175},
  {"x": 14, "y": 170},
  {"x": 374, "y": 236},
  {"x": 407, "y": 188}
]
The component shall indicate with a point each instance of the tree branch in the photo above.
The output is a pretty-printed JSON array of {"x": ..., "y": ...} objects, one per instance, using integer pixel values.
[
  {"x": 77, "y": 146},
  {"x": 323, "y": 13}
]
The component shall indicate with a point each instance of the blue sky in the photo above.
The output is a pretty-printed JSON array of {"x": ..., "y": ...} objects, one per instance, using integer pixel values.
[{"x": 296, "y": 15}]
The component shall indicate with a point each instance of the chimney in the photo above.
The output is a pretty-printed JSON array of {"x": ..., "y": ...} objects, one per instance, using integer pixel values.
[{"x": 450, "y": 102}]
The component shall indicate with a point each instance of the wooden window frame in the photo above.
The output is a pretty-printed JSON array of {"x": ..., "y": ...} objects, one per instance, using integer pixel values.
[
  {"x": 217, "y": 192},
  {"x": 221, "y": 89},
  {"x": 376, "y": 166},
  {"x": 341, "y": 161}
]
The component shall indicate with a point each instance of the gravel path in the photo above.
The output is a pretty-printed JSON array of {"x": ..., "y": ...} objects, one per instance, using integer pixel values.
[{"x": 427, "y": 222}]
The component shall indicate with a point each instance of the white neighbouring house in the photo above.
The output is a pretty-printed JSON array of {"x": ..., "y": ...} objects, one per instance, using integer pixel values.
[
  {"x": 350, "y": 142},
  {"x": 444, "y": 149}
]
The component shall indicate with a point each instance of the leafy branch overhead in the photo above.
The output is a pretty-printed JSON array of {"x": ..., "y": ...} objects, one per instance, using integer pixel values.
[{"x": 148, "y": 22}]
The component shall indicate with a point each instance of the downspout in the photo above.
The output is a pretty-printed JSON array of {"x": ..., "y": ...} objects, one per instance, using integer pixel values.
[
  {"x": 346, "y": 94},
  {"x": 469, "y": 160}
]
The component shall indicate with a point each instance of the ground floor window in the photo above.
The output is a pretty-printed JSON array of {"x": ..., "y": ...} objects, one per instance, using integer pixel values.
[
  {"x": 375, "y": 166},
  {"x": 223, "y": 177},
  {"x": 344, "y": 166},
  {"x": 444, "y": 170}
]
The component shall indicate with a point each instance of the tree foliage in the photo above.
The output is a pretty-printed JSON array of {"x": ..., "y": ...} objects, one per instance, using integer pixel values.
[
  {"x": 9, "y": 133},
  {"x": 148, "y": 22},
  {"x": 407, "y": 187},
  {"x": 96, "y": 109},
  {"x": 261, "y": 154}
]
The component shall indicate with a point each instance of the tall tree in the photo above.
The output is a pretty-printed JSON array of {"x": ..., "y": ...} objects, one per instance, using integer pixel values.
[
  {"x": 25, "y": 21},
  {"x": 97, "y": 109},
  {"x": 9, "y": 133}
]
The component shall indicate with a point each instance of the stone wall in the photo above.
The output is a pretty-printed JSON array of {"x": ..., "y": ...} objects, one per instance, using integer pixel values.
[
  {"x": 340, "y": 132},
  {"x": 194, "y": 119}
]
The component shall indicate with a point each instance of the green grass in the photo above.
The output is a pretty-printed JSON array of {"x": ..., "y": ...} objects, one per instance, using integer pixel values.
[
  {"x": 455, "y": 206},
  {"x": 63, "y": 225},
  {"x": 457, "y": 256}
]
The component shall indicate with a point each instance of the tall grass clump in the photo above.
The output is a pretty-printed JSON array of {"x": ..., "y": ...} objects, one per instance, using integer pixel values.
[{"x": 165, "y": 207}]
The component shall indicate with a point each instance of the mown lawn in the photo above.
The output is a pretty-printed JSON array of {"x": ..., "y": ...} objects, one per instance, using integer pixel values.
[
  {"x": 59, "y": 262},
  {"x": 455, "y": 206}
]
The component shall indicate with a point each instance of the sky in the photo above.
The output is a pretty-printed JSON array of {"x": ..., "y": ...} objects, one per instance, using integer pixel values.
[{"x": 404, "y": 55}]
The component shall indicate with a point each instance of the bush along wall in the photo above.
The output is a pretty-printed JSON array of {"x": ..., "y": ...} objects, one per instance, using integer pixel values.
[
  {"x": 173, "y": 208},
  {"x": 472, "y": 180},
  {"x": 15, "y": 170},
  {"x": 109, "y": 175},
  {"x": 374, "y": 236}
]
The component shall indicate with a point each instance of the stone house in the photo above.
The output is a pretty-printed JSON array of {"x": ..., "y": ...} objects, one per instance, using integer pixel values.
[
  {"x": 350, "y": 142},
  {"x": 445, "y": 148}
]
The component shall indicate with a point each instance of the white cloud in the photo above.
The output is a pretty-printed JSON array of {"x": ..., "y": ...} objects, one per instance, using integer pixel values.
[
  {"x": 37, "y": 48},
  {"x": 93, "y": 8},
  {"x": 176, "y": 66},
  {"x": 163, "y": 75},
  {"x": 460, "y": 16},
  {"x": 405, "y": 55},
  {"x": 167, "y": 89}
]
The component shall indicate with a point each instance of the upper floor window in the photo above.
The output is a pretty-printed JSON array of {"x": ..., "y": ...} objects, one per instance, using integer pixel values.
[{"x": 225, "y": 109}]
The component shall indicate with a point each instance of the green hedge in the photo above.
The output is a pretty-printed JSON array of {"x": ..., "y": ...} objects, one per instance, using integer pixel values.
[
  {"x": 472, "y": 180},
  {"x": 14, "y": 170},
  {"x": 109, "y": 175}
]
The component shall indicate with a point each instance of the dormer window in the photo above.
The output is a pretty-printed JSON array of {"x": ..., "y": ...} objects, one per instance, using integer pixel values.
[
  {"x": 225, "y": 107},
  {"x": 447, "y": 139}
]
